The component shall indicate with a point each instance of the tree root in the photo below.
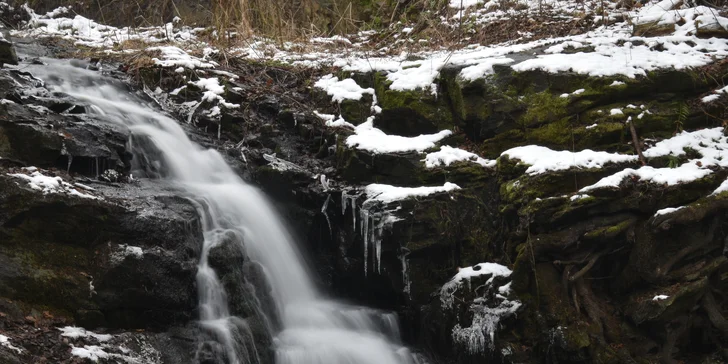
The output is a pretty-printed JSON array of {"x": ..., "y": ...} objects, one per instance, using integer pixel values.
[
  {"x": 587, "y": 267},
  {"x": 702, "y": 268},
  {"x": 714, "y": 314},
  {"x": 691, "y": 214},
  {"x": 565, "y": 282},
  {"x": 663, "y": 270},
  {"x": 673, "y": 330},
  {"x": 590, "y": 305}
]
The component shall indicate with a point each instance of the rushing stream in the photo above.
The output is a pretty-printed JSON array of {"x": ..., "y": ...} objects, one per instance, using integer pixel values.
[{"x": 311, "y": 329}]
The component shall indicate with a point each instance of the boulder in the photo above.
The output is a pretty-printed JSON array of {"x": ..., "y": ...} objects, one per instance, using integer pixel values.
[{"x": 97, "y": 262}]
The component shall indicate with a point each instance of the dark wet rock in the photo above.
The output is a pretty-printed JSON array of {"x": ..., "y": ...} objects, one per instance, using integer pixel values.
[
  {"x": 248, "y": 292},
  {"x": 39, "y": 136},
  {"x": 134, "y": 267},
  {"x": 7, "y": 52}
]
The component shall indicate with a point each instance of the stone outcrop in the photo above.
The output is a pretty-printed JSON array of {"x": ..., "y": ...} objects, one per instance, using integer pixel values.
[
  {"x": 600, "y": 278},
  {"x": 586, "y": 270}
]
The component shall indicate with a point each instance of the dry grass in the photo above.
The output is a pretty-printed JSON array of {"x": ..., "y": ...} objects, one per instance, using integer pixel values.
[{"x": 285, "y": 20}]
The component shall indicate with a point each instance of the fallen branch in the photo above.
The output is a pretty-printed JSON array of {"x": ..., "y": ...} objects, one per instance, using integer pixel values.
[{"x": 636, "y": 142}]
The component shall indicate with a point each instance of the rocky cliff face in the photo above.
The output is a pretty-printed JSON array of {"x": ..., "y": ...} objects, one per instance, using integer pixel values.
[
  {"x": 620, "y": 274},
  {"x": 613, "y": 275},
  {"x": 633, "y": 271}
]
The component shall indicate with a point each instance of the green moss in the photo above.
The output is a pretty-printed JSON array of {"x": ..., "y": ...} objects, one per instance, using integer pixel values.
[
  {"x": 609, "y": 232},
  {"x": 543, "y": 107},
  {"x": 557, "y": 134},
  {"x": 454, "y": 92},
  {"x": 52, "y": 274},
  {"x": 422, "y": 103},
  {"x": 356, "y": 111},
  {"x": 493, "y": 147},
  {"x": 576, "y": 339}
]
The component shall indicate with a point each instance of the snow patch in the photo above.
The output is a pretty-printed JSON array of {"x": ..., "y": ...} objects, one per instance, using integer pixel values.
[
  {"x": 46, "y": 184},
  {"x": 91, "y": 352},
  {"x": 716, "y": 95},
  {"x": 668, "y": 210},
  {"x": 372, "y": 139},
  {"x": 388, "y": 193},
  {"x": 77, "y": 332},
  {"x": 5, "y": 341},
  {"x": 175, "y": 57},
  {"x": 722, "y": 188},
  {"x": 482, "y": 69},
  {"x": 711, "y": 144},
  {"x": 579, "y": 197},
  {"x": 342, "y": 90},
  {"x": 542, "y": 159},
  {"x": 449, "y": 155},
  {"x": 448, "y": 290}
]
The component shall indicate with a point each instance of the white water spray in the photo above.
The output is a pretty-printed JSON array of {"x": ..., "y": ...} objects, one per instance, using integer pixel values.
[{"x": 314, "y": 330}]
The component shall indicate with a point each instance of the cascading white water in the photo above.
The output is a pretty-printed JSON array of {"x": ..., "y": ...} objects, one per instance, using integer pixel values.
[{"x": 314, "y": 330}]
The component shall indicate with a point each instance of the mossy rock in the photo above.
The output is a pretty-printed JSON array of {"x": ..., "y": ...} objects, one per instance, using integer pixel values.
[
  {"x": 526, "y": 188},
  {"x": 542, "y": 107},
  {"x": 411, "y": 113},
  {"x": 682, "y": 297},
  {"x": 356, "y": 111},
  {"x": 359, "y": 167},
  {"x": 443, "y": 232}
]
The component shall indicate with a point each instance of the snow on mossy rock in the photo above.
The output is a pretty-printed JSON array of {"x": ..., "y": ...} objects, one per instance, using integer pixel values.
[
  {"x": 665, "y": 16},
  {"x": 411, "y": 112},
  {"x": 508, "y": 108}
]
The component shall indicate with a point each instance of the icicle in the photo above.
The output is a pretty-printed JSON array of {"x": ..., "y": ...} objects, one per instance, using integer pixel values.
[
  {"x": 219, "y": 129},
  {"x": 344, "y": 200},
  {"x": 64, "y": 151},
  {"x": 70, "y": 160},
  {"x": 365, "y": 236},
  {"x": 323, "y": 211},
  {"x": 405, "y": 271},
  {"x": 378, "y": 249},
  {"x": 378, "y": 222},
  {"x": 353, "y": 210}
]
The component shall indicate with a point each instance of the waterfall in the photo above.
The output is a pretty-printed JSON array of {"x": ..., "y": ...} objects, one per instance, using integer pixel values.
[{"x": 313, "y": 329}]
